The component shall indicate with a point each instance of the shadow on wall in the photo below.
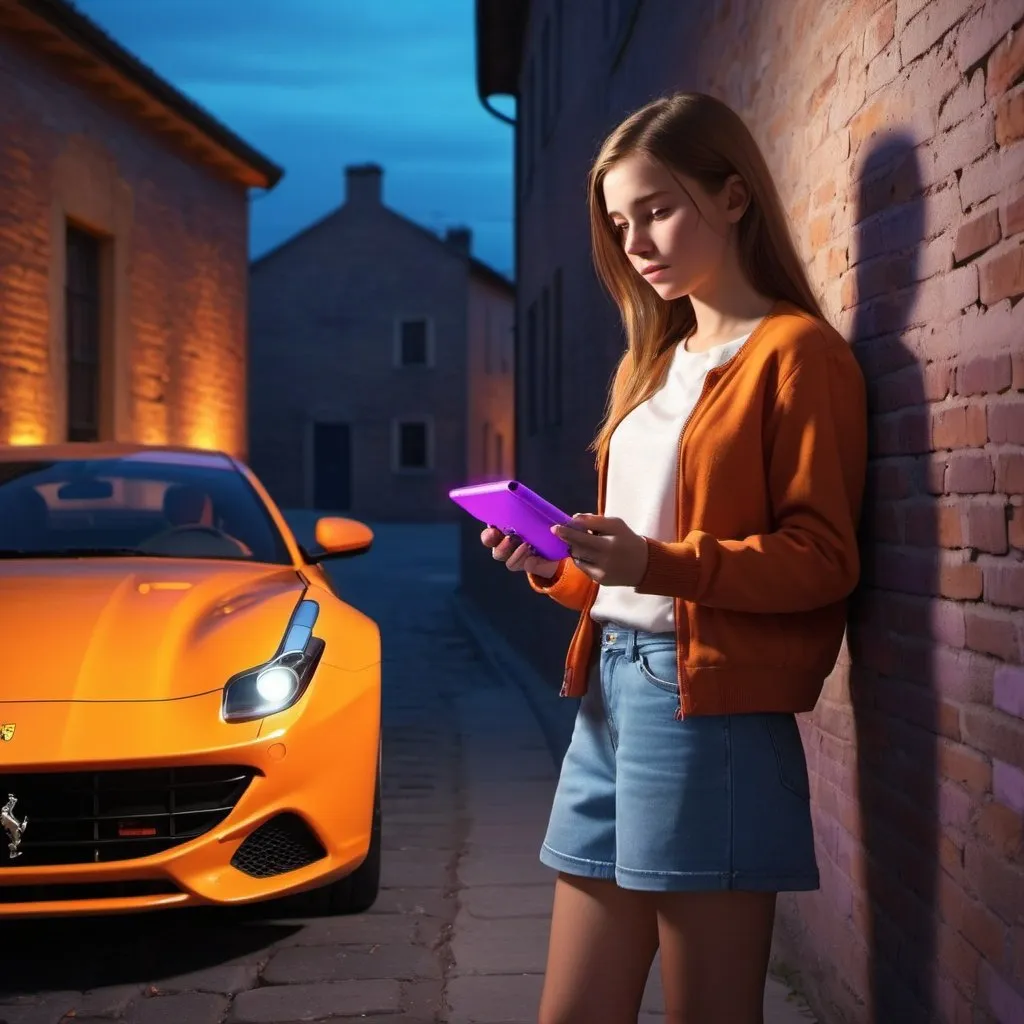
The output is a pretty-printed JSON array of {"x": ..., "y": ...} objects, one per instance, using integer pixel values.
[{"x": 892, "y": 679}]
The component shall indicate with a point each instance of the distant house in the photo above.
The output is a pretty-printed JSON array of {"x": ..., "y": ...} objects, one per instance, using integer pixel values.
[
  {"x": 123, "y": 244},
  {"x": 381, "y": 363}
]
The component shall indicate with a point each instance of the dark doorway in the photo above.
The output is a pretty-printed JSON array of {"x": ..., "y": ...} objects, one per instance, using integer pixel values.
[{"x": 332, "y": 467}]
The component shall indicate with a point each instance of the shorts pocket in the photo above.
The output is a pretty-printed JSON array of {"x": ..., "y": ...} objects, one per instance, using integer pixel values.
[
  {"x": 789, "y": 754},
  {"x": 658, "y": 667}
]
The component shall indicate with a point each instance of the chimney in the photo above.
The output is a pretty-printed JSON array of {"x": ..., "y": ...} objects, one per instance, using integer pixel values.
[
  {"x": 459, "y": 239},
  {"x": 363, "y": 184}
]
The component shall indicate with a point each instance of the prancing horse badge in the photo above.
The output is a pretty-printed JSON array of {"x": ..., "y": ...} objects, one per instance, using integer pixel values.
[{"x": 7, "y": 731}]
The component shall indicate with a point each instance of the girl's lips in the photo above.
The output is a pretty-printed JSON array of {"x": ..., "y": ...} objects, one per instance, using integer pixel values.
[{"x": 654, "y": 273}]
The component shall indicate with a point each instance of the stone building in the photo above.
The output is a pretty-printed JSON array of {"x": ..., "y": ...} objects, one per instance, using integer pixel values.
[
  {"x": 123, "y": 244},
  {"x": 895, "y": 132},
  {"x": 381, "y": 363}
]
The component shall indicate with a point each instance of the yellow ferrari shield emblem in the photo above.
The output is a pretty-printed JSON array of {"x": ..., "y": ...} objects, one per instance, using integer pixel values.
[{"x": 7, "y": 731}]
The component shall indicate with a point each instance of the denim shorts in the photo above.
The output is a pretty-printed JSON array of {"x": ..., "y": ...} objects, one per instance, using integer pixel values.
[{"x": 708, "y": 802}]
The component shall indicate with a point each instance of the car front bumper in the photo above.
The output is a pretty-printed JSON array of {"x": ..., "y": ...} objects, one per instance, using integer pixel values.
[{"x": 312, "y": 776}]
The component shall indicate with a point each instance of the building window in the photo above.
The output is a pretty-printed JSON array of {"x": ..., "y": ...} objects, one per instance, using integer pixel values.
[
  {"x": 82, "y": 334},
  {"x": 412, "y": 445},
  {"x": 531, "y": 369},
  {"x": 413, "y": 343}
]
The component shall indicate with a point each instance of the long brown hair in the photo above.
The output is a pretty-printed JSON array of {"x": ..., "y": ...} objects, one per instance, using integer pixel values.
[{"x": 698, "y": 136}]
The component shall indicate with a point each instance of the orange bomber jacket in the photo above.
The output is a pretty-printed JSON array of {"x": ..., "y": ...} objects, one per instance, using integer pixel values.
[{"x": 770, "y": 482}]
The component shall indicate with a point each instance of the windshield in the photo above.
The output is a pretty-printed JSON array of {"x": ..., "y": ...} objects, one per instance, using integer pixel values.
[{"x": 154, "y": 504}]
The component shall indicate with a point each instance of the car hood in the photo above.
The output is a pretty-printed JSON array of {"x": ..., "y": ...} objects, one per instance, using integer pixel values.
[{"x": 160, "y": 629}]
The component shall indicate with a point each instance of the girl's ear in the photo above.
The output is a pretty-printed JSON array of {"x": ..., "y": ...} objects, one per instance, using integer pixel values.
[{"x": 735, "y": 198}]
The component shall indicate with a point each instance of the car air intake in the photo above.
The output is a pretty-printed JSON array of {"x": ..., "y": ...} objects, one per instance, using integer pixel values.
[
  {"x": 284, "y": 843},
  {"x": 98, "y": 817}
]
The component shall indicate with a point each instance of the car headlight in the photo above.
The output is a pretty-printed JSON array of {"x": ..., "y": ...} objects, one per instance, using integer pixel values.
[{"x": 278, "y": 684}]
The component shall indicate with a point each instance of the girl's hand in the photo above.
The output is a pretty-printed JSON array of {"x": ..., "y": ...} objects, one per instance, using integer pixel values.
[
  {"x": 607, "y": 550},
  {"x": 517, "y": 555}
]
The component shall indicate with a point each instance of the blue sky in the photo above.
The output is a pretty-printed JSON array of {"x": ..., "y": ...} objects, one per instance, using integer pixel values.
[{"x": 317, "y": 84}]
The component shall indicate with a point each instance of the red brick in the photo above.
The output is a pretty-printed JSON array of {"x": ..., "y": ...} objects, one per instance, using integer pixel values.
[
  {"x": 1005, "y": 1002},
  {"x": 1000, "y": 828},
  {"x": 1017, "y": 961},
  {"x": 1015, "y": 528},
  {"x": 1005, "y": 65},
  {"x": 994, "y": 632},
  {"x": 994, "y": 733},
  {"x": 880, "y": 30},
  {"x": 986, "y": 526},
  {"x": 1006, "y": 419},
  {"x": 962, "y": 764},
  {"x": 1010, "y": 472},
  {"x": 1004, "y": 585},
  {"x": 959, "y": 426},
  {"x": 970, "y": 472},
  {"x": 957, "y": 956},
  {"x": 928, "y": 26},
  {"x": 976, "y": 235},
  {"x": 984, "y": 29},
  {"x": 1002, "y": 277},
  {"x": 950, "y": 526},
  {"x": 993, "y": 331},
  {"x": 1000, "y": 885},
  {"x": 1010, "y": 117},
  {"x": 985, "y": 375},
  {"x": 967, "y": 98},
  {"x": 990, "y": 176},
  {"x": 935, "y": 473},
  {"x": 1008, "y": 690},
  {"x": 972, "y": 919},
  {"x": 960, "y": 677},
  {"x": 938, "y": 380},
  {"x": 962, "y": 582},
  {"x": 925, "y": 524},
  {"x": 1012, "y": 212}
]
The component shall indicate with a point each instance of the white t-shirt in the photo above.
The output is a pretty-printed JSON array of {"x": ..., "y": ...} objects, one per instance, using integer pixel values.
[{"x": 641, "y": 486}]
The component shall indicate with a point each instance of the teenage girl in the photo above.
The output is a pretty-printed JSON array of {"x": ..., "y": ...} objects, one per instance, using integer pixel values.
[{"x": 712, "y": 582}]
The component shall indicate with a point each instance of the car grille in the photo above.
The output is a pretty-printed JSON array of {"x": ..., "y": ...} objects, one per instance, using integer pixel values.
[
  {"x": 98, "y": 817},
  {"x": 285, "y": 843}
]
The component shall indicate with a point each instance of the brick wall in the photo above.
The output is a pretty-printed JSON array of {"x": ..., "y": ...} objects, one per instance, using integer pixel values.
[
  {"x": 894, "y": 130},
  {"x": 177, "y": 264},
  {"x": 490, "y": 424}
]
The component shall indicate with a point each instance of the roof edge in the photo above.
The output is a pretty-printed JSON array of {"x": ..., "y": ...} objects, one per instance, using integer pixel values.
[{"x": 87, "y": 34}]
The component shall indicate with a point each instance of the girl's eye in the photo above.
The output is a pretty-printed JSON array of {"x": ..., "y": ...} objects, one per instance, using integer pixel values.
[{"x": 659, "y": 214}]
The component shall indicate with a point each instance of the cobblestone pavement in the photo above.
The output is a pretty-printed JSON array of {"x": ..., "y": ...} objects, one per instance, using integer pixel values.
[{"x": 459, "y": 933}]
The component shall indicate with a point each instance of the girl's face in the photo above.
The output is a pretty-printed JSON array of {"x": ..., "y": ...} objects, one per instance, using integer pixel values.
[{"x": 674, "y": 237}]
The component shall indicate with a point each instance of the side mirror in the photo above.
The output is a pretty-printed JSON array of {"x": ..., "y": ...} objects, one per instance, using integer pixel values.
[{"x": 341, "y": 538}]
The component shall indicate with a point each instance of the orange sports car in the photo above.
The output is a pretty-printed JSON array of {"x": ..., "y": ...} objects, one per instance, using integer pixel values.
[{"x": 189, "y": 713}]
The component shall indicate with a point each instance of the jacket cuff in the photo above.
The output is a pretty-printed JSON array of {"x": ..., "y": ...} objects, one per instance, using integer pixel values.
[
  {"x": 672, "y": 570},
  {"x": 548, "y": 584}
]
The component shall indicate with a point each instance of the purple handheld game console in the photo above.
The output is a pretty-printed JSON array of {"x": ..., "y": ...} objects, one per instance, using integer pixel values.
[{"x": 514, "y": 509}]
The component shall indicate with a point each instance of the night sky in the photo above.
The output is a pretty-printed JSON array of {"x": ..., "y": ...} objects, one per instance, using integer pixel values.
[{"x": 317, "y": 84}]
